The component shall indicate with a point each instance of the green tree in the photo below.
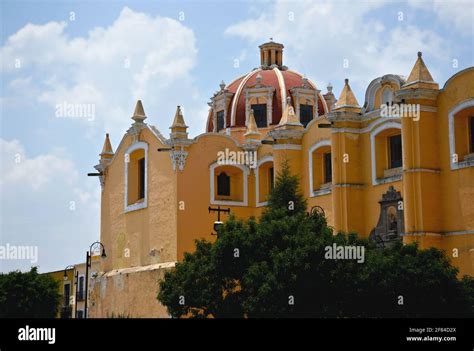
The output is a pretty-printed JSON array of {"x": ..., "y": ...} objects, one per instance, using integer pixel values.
[
  {"x": 277, "y": 268},
  {"x": 28, "y": 295}
]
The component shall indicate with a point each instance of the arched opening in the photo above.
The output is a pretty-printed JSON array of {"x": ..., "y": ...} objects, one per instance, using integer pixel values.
[
  {"x": 228, "y": 184},
  {"x": 265, "y": 180},
  {"x": 320, "y": 168},
  {"x": 461, "y": 135},
  {"x": 136, "y": 176},
  {"x": 387, "y": 153}
]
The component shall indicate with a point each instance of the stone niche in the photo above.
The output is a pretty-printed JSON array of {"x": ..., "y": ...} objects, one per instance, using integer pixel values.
[{"x": 390, "y": 225}]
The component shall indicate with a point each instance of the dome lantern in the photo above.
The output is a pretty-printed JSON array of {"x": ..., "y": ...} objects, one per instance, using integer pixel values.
[{"x": 271, "y": 54}]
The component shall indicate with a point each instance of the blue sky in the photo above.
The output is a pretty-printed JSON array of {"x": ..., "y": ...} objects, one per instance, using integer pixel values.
[{"x": 170, "y": 53}]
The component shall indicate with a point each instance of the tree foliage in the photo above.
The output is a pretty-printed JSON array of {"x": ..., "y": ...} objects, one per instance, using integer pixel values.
[
  {"x": 277, "y": 268},
  {"x": 28, "y": 295}
]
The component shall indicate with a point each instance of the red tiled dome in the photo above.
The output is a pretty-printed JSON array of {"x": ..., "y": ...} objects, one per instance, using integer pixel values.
[{"x": 281, "y": 80}]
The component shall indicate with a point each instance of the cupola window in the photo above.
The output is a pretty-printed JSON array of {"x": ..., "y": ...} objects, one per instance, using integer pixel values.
[
  {"x": 260, "y": 114},
  {"x": 220, "y": 120},
  {"x": 306, "y": 114}
]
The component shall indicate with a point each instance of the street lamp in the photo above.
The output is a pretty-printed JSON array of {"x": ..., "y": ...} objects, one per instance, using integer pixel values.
[
  {"x": 76, "y": 273},
  {"x": 88, "y": 264}
]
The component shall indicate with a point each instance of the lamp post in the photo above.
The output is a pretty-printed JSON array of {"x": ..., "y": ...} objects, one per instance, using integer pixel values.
[
  {"x": 75, "y": 284},
  {"x": 218, "y": 224},
  {"x": 88, "y": 264}
]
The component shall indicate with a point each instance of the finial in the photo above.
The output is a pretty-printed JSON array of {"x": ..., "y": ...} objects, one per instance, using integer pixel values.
[
  {"x": 419, "y": 54},
  {"x": 346, "y": 81},
  {"x": 139, "y": 114},
  {"x": 329, "y": 87},
  {"x": 222, "y": 85}
]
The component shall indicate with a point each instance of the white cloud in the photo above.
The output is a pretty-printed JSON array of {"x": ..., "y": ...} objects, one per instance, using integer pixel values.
[
  {"x": 322, "y": 35},
  {"x": 458, "y": 14},
  {"x": 43, "y": 203},
  {"x": 17, "y": 170},
  {"x": 137, "y": 57}
]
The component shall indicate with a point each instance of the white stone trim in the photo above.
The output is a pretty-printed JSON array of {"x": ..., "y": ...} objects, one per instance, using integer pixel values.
[
  {"x": 421, "y": 170},
  {"x": 237, "y": 95},
  {"x": 257, "y": 181},
  {"x": 373, "y": 134},
  {"x": 369, "y": 128},
  {"x": 245, "y": 173},
  {"x": 452, "y": 233},
  {"x": 320, "y": 97},
  {"x": 144, "y": 203},
  {"x": 324, "y": 142},
  {"x": 452, "y": 142},
  {"x": 281, "y": 83},
  {"x": 286, "y": 147}
]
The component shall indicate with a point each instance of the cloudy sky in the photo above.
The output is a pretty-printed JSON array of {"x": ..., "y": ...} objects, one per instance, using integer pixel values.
[{"x": 109, "y": 54}]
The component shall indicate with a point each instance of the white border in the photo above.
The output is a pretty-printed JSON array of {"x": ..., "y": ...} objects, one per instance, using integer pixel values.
[
  {"x": 286, "y": 147},
  {"x": 373, "y": 134},
  {"x": 143, "y": 204},
  {"x": 237, "y": 96},
  {"x": 213, "y": 201},
  {"x": 281, "y": 83},
  {"x": 324, "y": 142},
  {"x": 257, "y": 185},
  {"x": 452, "y": 141}
]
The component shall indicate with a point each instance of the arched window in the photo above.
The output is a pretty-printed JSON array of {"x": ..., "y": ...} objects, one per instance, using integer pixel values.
[
  {"x": 461, "y": 135},
  {"x": 136, "y": 160},
  {"x": 264, "y": 180},
  {"x": 223, "y": 184},
  {"x": 228, "y": 185},
  {"x": 320, "y": 168},
  {"x": 386, "y": 153}
]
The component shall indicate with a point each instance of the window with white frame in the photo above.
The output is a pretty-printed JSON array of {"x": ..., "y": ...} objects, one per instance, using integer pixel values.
[
  {"x": 228, "y": 185},
  {"x": 136, "y": 165}
]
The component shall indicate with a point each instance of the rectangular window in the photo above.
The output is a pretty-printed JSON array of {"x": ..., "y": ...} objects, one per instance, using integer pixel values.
[
  {"x": 80, "y": 314},
  {"x": 270, "y": 178},
  {"x": 306, "y": 114},
  {"x": 395, "y": 144},
  {"x": 80, "y": 289},
  {"x": 327, "y": 168},
  {"x": 141, "y": 178},
  {"x": 223, "y": 184},
  {"x": 260, "y": 114},
  {"x": 220, "y": 120},
  {"x": 67, "y": 294},
  {"x": 471, "y": 131}
]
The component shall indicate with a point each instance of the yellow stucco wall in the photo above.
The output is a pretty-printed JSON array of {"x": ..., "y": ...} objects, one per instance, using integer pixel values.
[{"x": 438, "y": 206}]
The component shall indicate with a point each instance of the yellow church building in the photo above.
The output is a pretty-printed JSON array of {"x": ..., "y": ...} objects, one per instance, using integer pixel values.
[{"x": 399, "y": 167}]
